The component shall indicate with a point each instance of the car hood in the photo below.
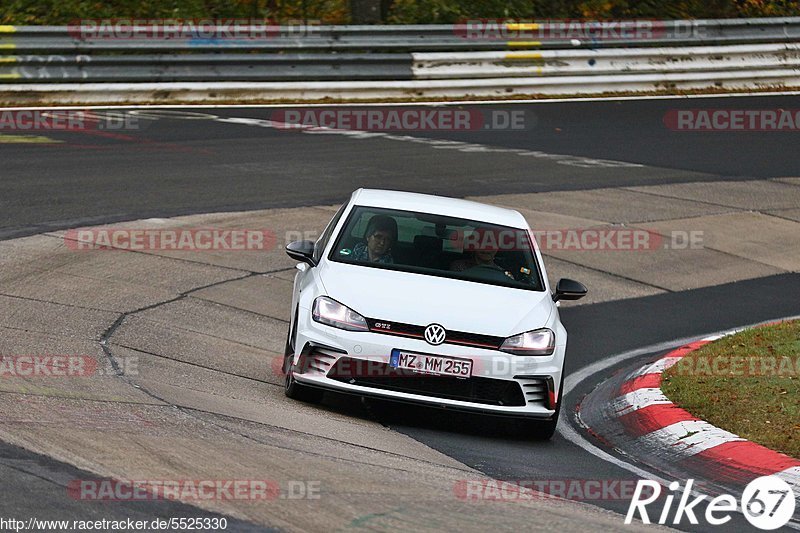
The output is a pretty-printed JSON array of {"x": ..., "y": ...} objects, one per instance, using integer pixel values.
[{"x": 420, "y": 299}]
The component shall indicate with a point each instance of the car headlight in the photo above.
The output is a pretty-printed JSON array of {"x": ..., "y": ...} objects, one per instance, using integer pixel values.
[
  {"x": 537, "y": 342},
  {"x": 330, "y": 312}
]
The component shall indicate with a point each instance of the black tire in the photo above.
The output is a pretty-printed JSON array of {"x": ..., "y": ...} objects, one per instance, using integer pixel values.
[
  {"x": 302, "y": 393},
  {"x": 292, "y": 388},
  {"x": 540, "y": 429}
]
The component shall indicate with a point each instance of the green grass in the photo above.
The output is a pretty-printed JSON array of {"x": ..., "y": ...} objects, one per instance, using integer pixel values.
[
  {"x": 58, "y": 12},
  {"x": 748, "y": 384},
  {"x": 32, "y": 12}
]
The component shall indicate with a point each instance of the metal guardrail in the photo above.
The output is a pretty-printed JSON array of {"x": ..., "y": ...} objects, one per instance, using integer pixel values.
[
  {"x": 89, "y": 53},
  {"x": 397, "y": 61},
  {"x": 411, "y": 38},
  {"x": 605, "y": 62},
  {"x": 204, "y": 67}
]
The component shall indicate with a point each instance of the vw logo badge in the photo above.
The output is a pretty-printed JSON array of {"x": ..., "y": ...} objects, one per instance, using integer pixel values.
[{"x": 435, "y": 334}]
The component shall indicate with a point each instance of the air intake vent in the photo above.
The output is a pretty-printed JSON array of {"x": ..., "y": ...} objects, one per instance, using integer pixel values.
[
  {"x": 535, "y": 389},
  {"x": 320, "y": 360},
  {"x": 317, "y": 358}
]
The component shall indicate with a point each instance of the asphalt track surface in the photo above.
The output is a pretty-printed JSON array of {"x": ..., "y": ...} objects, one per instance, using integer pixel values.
[
  {"x": 598, "y": 331},
  {"x": 34, "y": 486},
  {"x": 176, "y": 166},
  {"x": 173, "y": 167}
]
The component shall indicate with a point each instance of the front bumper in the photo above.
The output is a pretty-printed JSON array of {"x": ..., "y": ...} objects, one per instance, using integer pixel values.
[{"x": 501, "y": 384}]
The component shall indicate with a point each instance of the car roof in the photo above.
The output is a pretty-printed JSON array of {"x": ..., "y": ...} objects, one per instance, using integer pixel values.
[{"x": 439, "y": 205}]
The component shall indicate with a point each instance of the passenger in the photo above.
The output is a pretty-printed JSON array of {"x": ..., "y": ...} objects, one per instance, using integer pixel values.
[
  {"x": 481, "y": 255},
  {"x": 476, "y": 258},
  {"x": 381, "y": 234}
]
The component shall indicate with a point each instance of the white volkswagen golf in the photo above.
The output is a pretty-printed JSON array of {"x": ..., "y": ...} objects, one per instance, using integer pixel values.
[{"x": 431, "y": 300}]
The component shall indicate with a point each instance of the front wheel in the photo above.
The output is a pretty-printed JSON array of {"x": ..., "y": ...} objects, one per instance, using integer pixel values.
[
  {"x": 303, "y": 393},
  {"x": 539, "y": 429}
]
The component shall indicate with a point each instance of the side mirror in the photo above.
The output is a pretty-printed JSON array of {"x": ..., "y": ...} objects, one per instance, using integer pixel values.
[
  {"x": 302, "y": 251},
  {"x": 567, "y": 289}
]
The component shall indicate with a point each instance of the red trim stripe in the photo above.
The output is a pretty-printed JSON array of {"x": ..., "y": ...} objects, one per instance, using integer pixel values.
[
  {"x": 686, "y": 349},
  {"x": 645, "y": 381},
  {"x": 653, "y": 417},
  {"x": 739, "y": 461}
]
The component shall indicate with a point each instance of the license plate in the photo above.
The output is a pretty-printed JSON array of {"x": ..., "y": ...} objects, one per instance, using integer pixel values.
[{"x": 431, "y": 364}]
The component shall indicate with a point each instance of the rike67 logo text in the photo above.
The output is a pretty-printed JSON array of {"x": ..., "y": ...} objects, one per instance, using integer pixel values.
[{"x": 767, "y": 503}]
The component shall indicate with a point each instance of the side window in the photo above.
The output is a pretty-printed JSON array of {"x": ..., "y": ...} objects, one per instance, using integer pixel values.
[
  {"x": 409, "y": 227},
  {"x": 359, "y": 227},
  {"x": 322, "y": 242}
]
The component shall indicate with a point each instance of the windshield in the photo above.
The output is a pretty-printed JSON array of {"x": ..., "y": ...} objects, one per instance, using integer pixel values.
[{"x": 439, "y": 246}]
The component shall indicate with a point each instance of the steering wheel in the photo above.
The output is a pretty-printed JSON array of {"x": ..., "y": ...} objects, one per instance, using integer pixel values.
[{"x": 490, "y": 272}]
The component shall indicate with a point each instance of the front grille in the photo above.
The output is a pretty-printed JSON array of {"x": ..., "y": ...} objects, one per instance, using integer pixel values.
[
  {"x": 475, "y": 389},
  {"x": 461, "y": 338}
]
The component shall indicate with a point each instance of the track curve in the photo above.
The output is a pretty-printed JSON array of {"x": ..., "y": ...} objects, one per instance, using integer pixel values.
[{"x": 172, "y": 166}]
